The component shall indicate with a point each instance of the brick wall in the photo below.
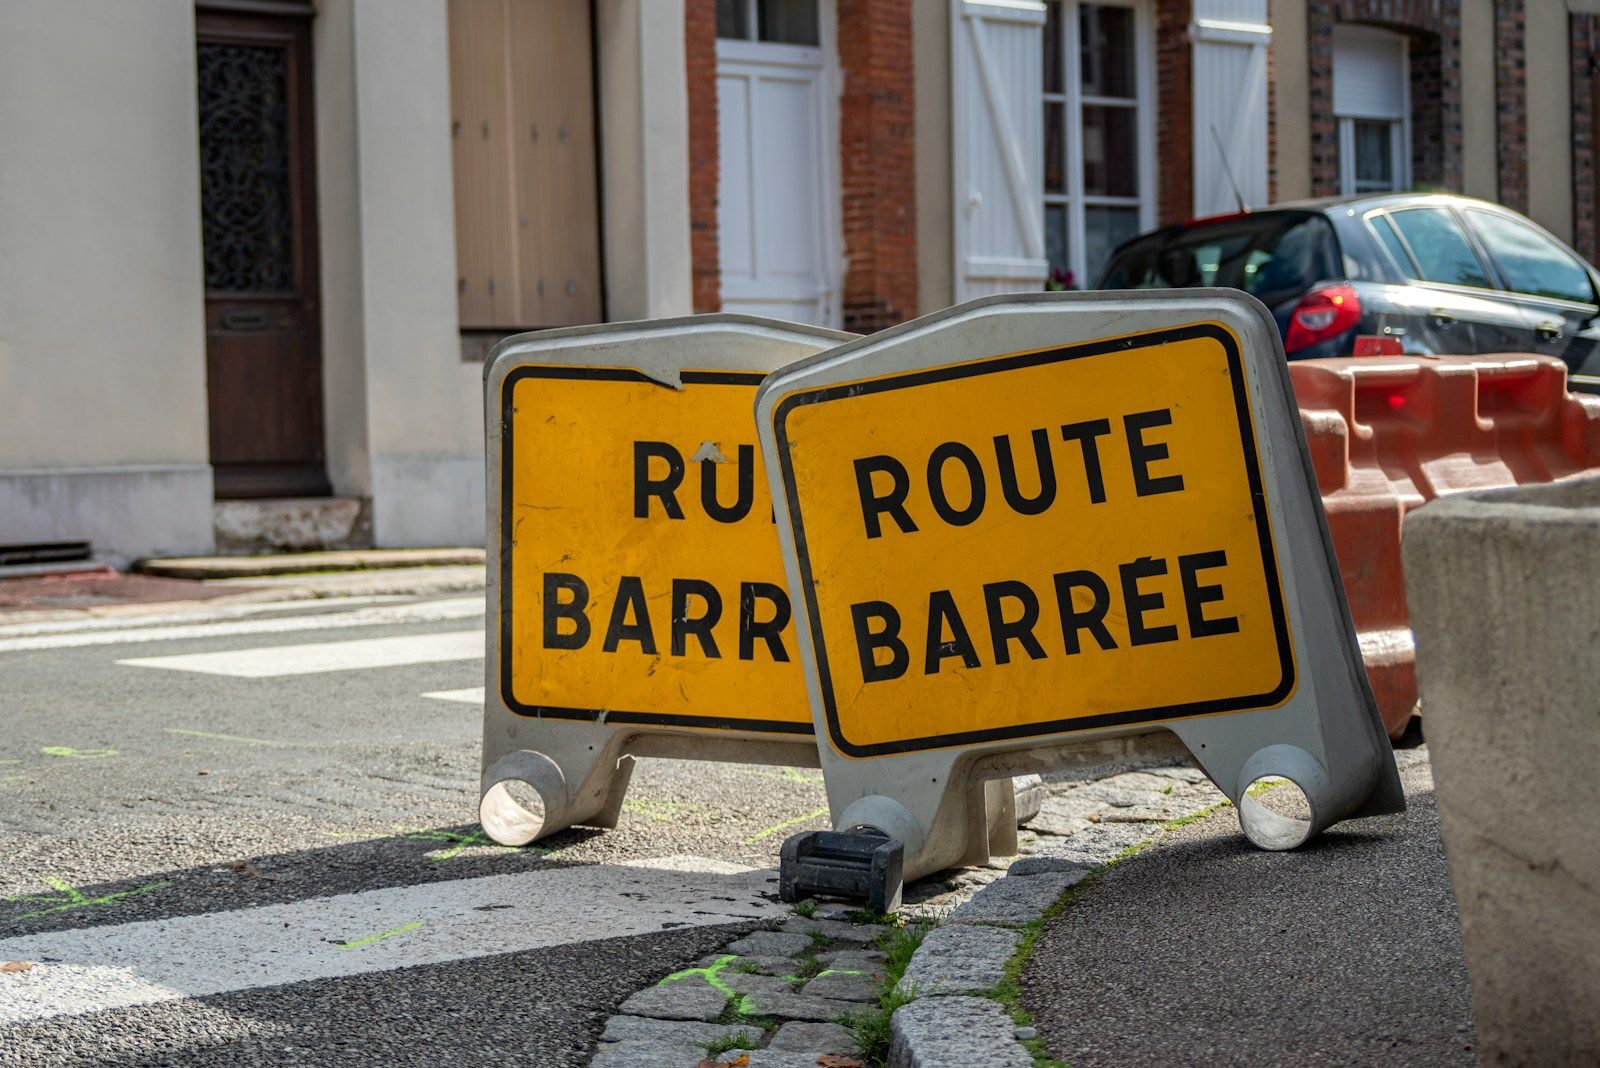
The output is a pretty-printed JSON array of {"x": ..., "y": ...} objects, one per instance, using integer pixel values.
[
  {"x": 1434, "y": 27},
  {"x": 1174, "y": 161},
  {"x": 1511, "y": 103},
  {"x": 1585, "y": 100},
  {"x": 700, "y": 52},
  {"x": 877, "y": 163}
]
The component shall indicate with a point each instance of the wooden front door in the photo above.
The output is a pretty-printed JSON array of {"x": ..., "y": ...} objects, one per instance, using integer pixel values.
[{"x": 259, "y": 228}]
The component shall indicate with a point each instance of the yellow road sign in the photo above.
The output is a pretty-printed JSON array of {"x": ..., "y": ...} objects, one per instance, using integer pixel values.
[
  {"x": 1036, "y": 543},
  {"x": 644, "y": 581}
]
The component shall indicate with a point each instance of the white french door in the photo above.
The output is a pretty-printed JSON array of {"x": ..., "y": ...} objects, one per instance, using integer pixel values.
[{"x": 777, "y": 191}]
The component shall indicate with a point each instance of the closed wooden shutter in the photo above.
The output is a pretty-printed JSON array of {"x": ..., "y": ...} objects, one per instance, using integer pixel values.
[
  {"x": 1231, "y": 38},
  {"x": 997, "y": 144},
  {"x": 527, "y": 207}
]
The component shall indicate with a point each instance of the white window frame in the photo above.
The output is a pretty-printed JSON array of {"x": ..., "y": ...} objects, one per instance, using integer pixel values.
[
  {"x": 752, "y": 17},
  {"x": 1399, "y": 131},
  {"x": 1073, "y": 101},
  {"x": 752, "y": 50}
]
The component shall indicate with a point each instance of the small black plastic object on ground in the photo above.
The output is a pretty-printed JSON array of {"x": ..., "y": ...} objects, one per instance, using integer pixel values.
[{"x": 863, "y": 865}]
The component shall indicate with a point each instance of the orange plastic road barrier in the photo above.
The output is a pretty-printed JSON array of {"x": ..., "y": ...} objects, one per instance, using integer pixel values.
[{"x": 1387, "y": 434}]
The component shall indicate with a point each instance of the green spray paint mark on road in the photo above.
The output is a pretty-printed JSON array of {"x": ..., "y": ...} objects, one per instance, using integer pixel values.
[
  {"x": 784, "y": 826},
  {"x": 660, "y": 810},
  {"x": 786, "y": 774},
  {"x": 225, "y": 737},
  {"x": 77, "y": 754},
  {"x": 380, "y": 936},
  {"x": 458, "y": 842},
  {"x": 70, "y": 897},
  {"x": 743, "y": 1004}
]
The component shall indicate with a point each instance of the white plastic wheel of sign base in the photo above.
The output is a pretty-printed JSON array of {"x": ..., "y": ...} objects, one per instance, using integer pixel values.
[
  {"x": 1055, "y": 529},
  {"x": 637, "y": 602}
]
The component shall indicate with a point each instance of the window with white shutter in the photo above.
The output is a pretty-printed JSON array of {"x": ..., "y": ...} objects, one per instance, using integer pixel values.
[{"x": 1371, "y": 102}]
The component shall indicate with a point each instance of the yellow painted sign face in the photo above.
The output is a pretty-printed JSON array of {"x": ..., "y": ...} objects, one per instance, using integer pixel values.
[
  {"x": 644, "y": 581},
  {"x": 1036, "y": 543}
]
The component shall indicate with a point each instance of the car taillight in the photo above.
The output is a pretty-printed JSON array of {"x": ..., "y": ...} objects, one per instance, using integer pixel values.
[{"x": 1324, "y": 312}]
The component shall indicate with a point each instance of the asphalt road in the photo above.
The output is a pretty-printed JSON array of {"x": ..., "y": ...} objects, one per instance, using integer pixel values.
[
  {"x": 1205, "y": 950},
  {"x": 151, "y": 805}
]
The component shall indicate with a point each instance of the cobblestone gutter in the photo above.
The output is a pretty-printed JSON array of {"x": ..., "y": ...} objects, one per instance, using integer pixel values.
[{"x": 819, "y": 990}]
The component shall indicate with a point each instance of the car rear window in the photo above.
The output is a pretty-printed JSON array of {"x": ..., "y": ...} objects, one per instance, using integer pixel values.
[{"x": 1274, "y": 256}]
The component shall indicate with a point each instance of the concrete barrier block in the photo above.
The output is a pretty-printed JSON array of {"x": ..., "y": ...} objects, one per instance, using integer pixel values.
[{"x": 1504, "y": 588}]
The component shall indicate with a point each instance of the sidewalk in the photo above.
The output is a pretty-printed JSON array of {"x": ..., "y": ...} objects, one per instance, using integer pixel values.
[
  {"x": 1205, "y": 950},
  {"x": 207, "y": 583}
]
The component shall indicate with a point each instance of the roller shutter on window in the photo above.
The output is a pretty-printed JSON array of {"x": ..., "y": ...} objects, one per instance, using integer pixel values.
[{"x": 1368, "y": 73}]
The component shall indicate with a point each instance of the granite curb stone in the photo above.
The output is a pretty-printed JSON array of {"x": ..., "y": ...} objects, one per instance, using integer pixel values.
[
  {"x": 1016, "y": 899},
  {"x": 940, "y": 1032},
  {"x": 960, "y": 959}
]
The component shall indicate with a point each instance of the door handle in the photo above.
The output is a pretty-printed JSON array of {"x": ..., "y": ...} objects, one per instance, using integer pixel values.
[
  {"x": 1548, "y": 331},
  {"x": 1442, "y": 317},
  {"x": 246, "y": 320}
]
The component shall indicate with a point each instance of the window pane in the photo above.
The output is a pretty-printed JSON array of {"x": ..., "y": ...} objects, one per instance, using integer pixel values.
[
  {"x": 733, "y": 19},
  {"x": 1104, "y": 229},
  {"x": 1055, "y": 237},
  {"x": 789, "y": 21},
  {"x": 1053, "y": 82},
  {"x": 1390, "y": 240},
  {"x": 1055, "y": 148},
  {"x": 1110, "y": 152},
  {"x": 1531, "y": 262},
  {"x": 1440, "y": 247},
  {"x": 1105, "y": 43},
  {"x": 1374, "y": 148}
]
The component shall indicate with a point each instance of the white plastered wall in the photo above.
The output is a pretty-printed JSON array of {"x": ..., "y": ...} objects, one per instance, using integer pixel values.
[
  {"x": 403, "y": 411},
  {"x": 644, "y": 154},
  {"x": 103, "y": 424}
]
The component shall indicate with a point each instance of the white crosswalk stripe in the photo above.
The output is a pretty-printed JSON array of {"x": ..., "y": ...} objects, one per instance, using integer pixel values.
[
  {"x": 278, "y": 660},
  {"x": 422, "y": 612},
  {"x": 472, "y": 695},
  {"x": 90, "y": 970}
]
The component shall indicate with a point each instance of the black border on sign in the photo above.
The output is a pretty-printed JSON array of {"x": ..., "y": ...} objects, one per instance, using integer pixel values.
[
  {"x": 1258, "y": 498},
  {"x": 508, "y": 591}
]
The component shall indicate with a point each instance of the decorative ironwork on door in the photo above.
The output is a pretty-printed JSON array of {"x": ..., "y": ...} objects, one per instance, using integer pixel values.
[{"x": 245, "y": 194}]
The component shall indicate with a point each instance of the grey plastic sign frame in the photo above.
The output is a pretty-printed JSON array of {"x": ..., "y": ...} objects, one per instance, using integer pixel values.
[
  {"x": 545, "y": 770},
  {"x": 1326, "y": 738}
]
